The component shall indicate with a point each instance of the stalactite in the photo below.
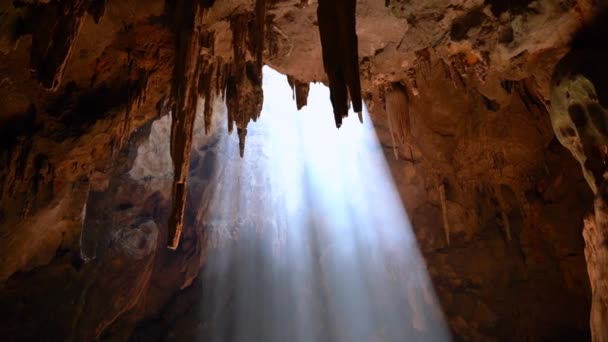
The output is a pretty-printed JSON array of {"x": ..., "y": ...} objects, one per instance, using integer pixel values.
[
  {"x": 244, "y": 96},
  {"x": 299, "y": 91},
  {"x": 184, "y": 90},
  {"x": 207, "y": 94},
  {"x": 302, "y": 90},
  {"x": 208, "y": 71},
  {"x": 337, "y": 27},
  {"x": 242, "y": 133},
  {"x": 291, "y": 82},
  {"x": 136, "y": 88},
  {"x": 398, "y": 112},
  {"x": 236, "y": 82},
  {"x": 259, "y": 33}
]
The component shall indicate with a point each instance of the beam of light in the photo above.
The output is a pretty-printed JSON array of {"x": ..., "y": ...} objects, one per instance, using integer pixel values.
[{"x": 309, "y": 240}]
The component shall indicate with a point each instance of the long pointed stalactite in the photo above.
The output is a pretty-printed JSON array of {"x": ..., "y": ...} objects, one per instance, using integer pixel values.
[
  {"x": 244, "y": 96},
  {"x": 337, "y": 26},
  {"x": 184, "y": 90}
]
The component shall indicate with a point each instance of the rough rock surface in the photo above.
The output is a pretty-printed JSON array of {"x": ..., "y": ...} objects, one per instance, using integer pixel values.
[
  {"x": 579, "y": 103},
  {"x": 596, "y": 238},
  {"x": 459, "y": 93}
]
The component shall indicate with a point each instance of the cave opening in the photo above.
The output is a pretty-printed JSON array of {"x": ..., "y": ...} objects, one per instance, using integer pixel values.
[{"x": 308, "y": 239}]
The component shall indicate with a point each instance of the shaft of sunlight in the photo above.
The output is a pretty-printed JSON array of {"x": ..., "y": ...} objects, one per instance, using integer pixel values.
[{"x": 310, "y": 241}]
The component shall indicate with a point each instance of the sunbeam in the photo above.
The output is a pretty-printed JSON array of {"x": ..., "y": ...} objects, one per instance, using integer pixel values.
[{"x": 308, "y": 237}]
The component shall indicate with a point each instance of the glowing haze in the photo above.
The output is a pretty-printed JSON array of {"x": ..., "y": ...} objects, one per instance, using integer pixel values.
[{"x": 308, "y": 237}]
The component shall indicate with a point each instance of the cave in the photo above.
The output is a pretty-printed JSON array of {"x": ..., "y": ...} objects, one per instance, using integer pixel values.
[{"x": 303, "y": 170}]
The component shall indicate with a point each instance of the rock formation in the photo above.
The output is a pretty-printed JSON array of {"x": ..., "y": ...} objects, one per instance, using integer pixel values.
[
  {"x": 110, "y": 113},
  {"x": 579, "y": 98},
  {"x": 337, "y": 27},
  {"x": 300, "y": 91}
]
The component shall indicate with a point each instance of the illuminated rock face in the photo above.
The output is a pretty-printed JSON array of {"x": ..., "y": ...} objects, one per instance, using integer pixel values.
[{"x": 459, "y": 96}]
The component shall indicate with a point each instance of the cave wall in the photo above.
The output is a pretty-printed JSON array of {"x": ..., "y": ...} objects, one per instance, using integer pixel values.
[
  {"x": 493, "y": 199},
  {"x": 458, "y": 93}
]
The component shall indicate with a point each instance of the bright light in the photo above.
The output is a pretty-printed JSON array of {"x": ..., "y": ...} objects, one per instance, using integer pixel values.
[{"x": 309, "y": 239}]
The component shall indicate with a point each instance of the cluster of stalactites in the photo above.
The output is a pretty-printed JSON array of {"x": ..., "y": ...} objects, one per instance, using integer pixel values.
[
  {"x": 239, "y": 81},
  {"x": 244, "y": 95},
  {"x": 340, "y": 54},
  {"x": 199, "y": 73}
]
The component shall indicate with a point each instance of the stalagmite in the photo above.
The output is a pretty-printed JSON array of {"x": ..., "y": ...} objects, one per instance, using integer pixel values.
[
  {"x": 444, "y": 212},
  {"x": 337, "y": 27}
]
